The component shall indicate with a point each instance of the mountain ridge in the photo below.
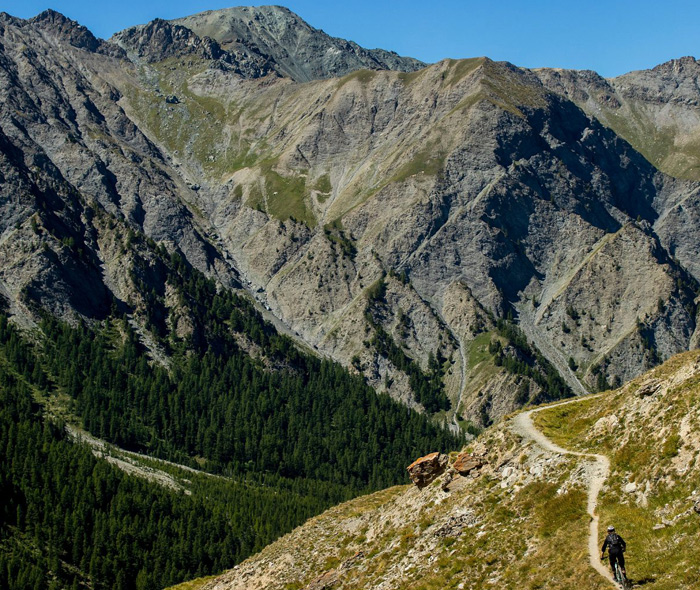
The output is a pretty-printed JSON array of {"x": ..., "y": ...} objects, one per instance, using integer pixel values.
[
  {"x": 470, "y": 172},
  {"x": 298, "y": 50},
  {"x": 633, "y": 105}
]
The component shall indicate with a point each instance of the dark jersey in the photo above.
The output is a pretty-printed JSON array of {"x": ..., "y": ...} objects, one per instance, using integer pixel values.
[{"x": 614, "y": 543}]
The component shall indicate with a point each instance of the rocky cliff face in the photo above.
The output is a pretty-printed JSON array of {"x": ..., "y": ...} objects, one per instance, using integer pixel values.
[
  {"x": 386, "y": 218},
  {"x": 160, "y": 40},
  {"x": 79, "y": 178},
  {"x": 298, "y": 50}
]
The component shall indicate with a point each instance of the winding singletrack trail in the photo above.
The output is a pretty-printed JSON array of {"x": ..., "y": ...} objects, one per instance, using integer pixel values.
[{"x": 597, "y": 471}]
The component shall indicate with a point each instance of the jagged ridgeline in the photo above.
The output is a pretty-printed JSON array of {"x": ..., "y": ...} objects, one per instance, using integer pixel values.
[
  {"x": 295, "y": 433},
  {"x": 304, "y": 169}
]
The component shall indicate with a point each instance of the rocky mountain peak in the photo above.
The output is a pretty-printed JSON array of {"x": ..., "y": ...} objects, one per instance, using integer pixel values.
[
  {"x": 67, "y": 30},
  {"x": 655, "y": 110},
  {"x": 373, "y": 213},
  {"x": 676, "y": 81},
  {"x": 683, "y": 66},
  {"x": 299, "y": 51},
  {"x": 465, "y": 237},
  {"x": 160, "y": 39},
  {"x": 7, "y": 18}
]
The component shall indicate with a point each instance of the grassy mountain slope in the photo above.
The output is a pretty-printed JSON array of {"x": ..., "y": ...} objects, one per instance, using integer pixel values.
[
  {"x": 521, "y": 521},
  {"x": 649, "y": 429}
]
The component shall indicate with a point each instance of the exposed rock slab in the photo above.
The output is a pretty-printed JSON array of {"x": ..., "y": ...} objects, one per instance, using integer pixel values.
[
  {"x": 466, "y": 463},
  {"x": 425, "y": 470}
]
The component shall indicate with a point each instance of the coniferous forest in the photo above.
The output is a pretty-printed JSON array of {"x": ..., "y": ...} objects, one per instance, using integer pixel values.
[{"x": 294, "y": 434}]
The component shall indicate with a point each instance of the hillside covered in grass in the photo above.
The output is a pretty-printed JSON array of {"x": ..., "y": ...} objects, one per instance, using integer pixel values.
[
  {"x": 520, "y": 520},
  {"x": 650, "y": 430}
]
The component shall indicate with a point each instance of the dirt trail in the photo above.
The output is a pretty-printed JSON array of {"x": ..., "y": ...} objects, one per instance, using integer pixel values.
[
  {"x": 597, "y": 470},
  {"x": 131, "y": 462}
]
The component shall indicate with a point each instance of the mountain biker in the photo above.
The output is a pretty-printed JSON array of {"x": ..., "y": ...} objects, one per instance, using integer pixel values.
[{"x": 616, "y": 548}]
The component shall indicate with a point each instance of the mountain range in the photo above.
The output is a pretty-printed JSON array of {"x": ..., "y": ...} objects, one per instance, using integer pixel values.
[
  {"x": 208, "y": 219},
  {"x": 311, "y": 173}
]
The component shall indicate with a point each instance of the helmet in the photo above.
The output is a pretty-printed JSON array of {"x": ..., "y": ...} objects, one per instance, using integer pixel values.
[{"x": 611, "y": 528}]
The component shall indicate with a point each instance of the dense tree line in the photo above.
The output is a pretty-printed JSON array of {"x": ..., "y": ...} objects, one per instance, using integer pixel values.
[
  {"x": 68, "y": 518},
  {"x": 295, "y": 433},
  {"x": 288, "y": 413},
  {"x": 298, "y": 440},
  {"x": 311, "y": 419}
]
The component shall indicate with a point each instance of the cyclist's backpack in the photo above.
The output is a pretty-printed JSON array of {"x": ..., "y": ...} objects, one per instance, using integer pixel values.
[{"x": 616, "y": 543}]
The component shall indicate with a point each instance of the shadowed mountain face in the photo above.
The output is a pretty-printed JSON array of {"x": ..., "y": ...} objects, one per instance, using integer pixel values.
[
  {"x": 657, "y": 110},
  {"x": 388, "y": 218}
]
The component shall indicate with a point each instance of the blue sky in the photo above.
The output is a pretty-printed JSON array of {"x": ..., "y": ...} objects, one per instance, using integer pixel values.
[{"x": 611, "y": 37}]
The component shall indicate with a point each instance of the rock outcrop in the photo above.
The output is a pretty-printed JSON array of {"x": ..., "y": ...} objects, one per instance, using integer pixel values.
[
  {"x": 467, "y": 462},
  {"x": 425, "y": 470},
  {"x": 160, "y": 40},
  {"x": 56, "y": 25}
]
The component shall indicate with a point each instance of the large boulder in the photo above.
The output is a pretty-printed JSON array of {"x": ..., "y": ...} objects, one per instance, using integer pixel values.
[
  {"x": 649, "y": 388},
  {"x": 466, "y": 463},
  {"x": 424, "y": 470}
]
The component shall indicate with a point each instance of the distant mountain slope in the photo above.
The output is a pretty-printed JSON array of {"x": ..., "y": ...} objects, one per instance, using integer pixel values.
[
  {"x": 467, "y": 172},
  {"x": 298, "y": 50},
  {"x": 656, "y": 110},
  {"x": 388, "y": 219},
  {"x": 520, "y": 519},
  {"x": 463, "y": 237}
]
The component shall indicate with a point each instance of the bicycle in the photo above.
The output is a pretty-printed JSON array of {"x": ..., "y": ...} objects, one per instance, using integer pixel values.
[{"x": 620, "y": 577}]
